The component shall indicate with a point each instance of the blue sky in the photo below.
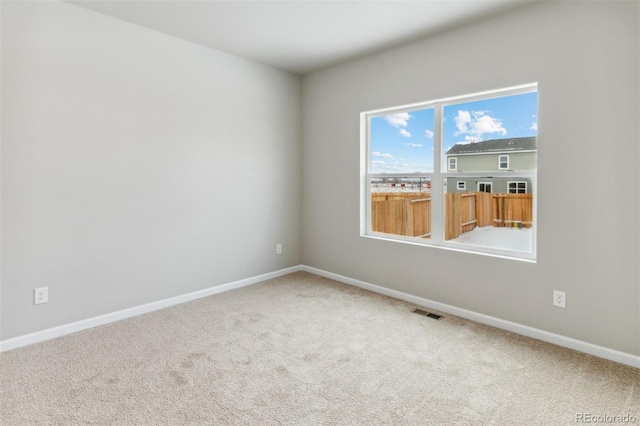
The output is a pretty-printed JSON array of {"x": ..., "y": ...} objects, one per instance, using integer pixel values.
[{"x": 403, "y": 143}]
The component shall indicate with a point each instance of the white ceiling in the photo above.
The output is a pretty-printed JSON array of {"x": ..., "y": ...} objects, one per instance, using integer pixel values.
[{"x": 296, "y": 35}]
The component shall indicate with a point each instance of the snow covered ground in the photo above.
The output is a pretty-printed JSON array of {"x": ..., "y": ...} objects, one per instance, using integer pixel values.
[{"x": 499, "y": 238}]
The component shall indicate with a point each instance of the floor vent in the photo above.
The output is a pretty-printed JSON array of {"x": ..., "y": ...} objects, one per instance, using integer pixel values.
[{"x": 427, "y": 314}]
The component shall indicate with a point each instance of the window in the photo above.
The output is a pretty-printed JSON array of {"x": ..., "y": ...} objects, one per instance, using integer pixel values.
[
  {"x": 503, "y": 162},
  {"x": 453, "y": 163},
  {"x": 454, "y": 173},
  {"x": 484, "y": 187},
  {"x": 517, "y": 187}
]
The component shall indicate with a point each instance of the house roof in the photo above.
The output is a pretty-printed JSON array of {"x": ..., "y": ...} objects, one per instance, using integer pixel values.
[{"x": 494, "y": 145}]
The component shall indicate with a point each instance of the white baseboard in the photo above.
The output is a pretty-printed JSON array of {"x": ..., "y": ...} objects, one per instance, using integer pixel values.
[
  {"x": 567, "y": 342},
  {"x": 65, "y": 329}
]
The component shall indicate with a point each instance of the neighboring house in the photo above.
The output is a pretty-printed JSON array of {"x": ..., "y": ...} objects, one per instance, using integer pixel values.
[{"x": 494, "y": 156}]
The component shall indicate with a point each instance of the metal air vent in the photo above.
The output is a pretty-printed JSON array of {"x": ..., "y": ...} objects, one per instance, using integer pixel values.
[{"x": 427, "y": 314}]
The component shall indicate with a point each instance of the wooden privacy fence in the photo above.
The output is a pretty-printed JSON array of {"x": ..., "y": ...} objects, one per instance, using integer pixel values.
[
  {"x": 410, "y": 213},
  {"x": 401, "y": 213},
  {"x": 460, "y": 214},
  {"x": 513, "y": 209},
  {"x": 466, "y": 210}
]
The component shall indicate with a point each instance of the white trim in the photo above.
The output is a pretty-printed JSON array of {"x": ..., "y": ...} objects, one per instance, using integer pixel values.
[
  {"x": 462, "y": 187},
  {"x": 441, "y": 171},
  {"x": 567, "y": 342},
  {"x": 500, "y": 162},
  {"x": 478, "y": 96},
  {"x": 452, "y": 246},
  {"x": 449, "y": 163},
  {"x": 509, "y": 182},
  {"x": 485, "y": 186},
  {"x": 365, "y": 179},
  {"x": 62, "y": 330},
  {"x": 556, "y": 339},
  {"x": 490, "y": 174},
  {"x": 458, "y": 154}
]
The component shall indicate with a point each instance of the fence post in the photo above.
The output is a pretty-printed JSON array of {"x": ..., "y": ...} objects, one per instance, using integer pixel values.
[{"x": 408, "y": 217}]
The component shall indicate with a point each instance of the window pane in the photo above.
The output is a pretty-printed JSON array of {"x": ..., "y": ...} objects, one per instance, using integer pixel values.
[
  {"x": 504, "y": 162},
  {"x": 402, "y": 143},
  {"x": 494, "y": 216},
  {"x": 498, "y": 134},
  {"x": 401, "y": 206},
  {"x": 517, "y": 187}
]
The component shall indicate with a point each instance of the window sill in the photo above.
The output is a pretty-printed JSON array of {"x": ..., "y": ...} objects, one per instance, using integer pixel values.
[{"x": 460, "y": 248}]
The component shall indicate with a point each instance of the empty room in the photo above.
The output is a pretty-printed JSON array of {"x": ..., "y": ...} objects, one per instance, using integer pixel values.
[{"x": 319, "y": 212}]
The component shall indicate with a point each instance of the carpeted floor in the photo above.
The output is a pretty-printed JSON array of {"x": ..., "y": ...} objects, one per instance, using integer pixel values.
[{"x": 305, "y": 350}]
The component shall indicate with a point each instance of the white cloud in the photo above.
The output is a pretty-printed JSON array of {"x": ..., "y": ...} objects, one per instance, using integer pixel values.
[
  {"x": 398, "y": 120},
  {"x": 378, "y": 163},
  {"x": 428, "y": 133},
  {"x": 405, "y": 133},
  {"x": 534, "y": 126},
  {"x": 382, "y": 155},
  {"x": 413, "y": 145},
  {"x": 487, "y": 124},
  {"x": 462, "y": 120},
  {"x": 473, "y": 138},
  {"x": 477, "y": 123}
]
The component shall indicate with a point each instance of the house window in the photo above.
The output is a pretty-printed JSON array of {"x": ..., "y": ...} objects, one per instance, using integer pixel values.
[
  {"x": 412, "y": 154},
  {"x": 503, "y": 162},
  {"x": 484, "y": 187},
  {"x": 517, "y": 187}
]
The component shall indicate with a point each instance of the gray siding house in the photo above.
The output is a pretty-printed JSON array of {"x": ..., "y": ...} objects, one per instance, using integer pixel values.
[{"x": 496, "y": 157}]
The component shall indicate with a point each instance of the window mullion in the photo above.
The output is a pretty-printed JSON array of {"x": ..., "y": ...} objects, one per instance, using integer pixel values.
[
  {"x": 437, "y": 183},
  {"x": 365, "y": 174}
]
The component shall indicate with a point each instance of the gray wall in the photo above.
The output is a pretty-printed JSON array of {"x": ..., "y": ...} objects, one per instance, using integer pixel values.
[
  {"x": 585, "y": 58},
  {"x": 498, "y": 185},
  {"x": 136, "y": 166},
  {"x": 523, "y": 161}
]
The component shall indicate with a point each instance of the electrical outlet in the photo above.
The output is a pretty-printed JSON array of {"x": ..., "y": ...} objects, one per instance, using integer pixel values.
[
  {"x": 279, "y": 249},
  {"x": 40, "y": 295},
  {"x": 559, "y": 298}
]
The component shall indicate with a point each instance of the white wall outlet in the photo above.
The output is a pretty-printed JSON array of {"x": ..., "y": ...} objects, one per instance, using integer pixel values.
[
  {"x": 559, "y": 298},
  {"x": 279, "y": 249},
  {"x": 40, "y": 295}
]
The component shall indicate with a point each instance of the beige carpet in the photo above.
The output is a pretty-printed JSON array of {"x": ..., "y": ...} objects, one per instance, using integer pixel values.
[{"x": 304, "y": 350}]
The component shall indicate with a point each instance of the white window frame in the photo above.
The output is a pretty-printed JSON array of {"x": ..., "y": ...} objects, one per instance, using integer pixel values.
[
  {"x": 517, "y": 189},
  {"x": 454, "y": 161},
  {"x": 485, "y": 183},
  {"x": 462, "y": 187},
  {"x": 438, "y": 178},
  {"x": 500, "y": 157}
]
